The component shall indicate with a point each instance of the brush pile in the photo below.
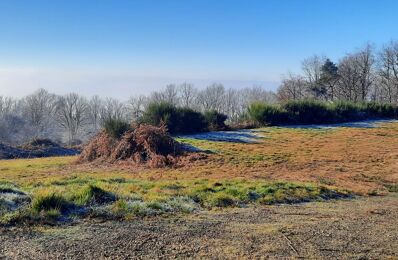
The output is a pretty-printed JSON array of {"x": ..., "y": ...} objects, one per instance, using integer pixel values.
[
  {"x": 35, "y": 149},
  {"x": 149, "y": 145},
  {"x": 38, "y": 143}
]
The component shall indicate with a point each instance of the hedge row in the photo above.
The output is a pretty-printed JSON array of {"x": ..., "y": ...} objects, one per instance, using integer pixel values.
[
  {"x": 183, "y": 120},
  {"x": 316, "y": 112}
]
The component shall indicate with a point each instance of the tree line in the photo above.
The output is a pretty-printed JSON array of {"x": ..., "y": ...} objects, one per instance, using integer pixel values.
[
  {"x": 72, "y": 118},
  {"x": 366, "y": 74}
]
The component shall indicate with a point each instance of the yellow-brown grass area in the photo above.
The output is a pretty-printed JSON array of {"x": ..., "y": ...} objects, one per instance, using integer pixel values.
[{"x": 361, "y": 160}]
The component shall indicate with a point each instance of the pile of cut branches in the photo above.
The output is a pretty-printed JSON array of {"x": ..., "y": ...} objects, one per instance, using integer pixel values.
[{"x": 146, "y": 144}]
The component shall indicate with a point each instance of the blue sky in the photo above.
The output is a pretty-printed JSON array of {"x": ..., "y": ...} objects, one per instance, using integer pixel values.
[{"x": 110, "y": 47}]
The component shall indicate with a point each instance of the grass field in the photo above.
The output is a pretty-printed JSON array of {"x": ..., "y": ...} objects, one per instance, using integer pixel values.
[{"x": 285, "y": 165}]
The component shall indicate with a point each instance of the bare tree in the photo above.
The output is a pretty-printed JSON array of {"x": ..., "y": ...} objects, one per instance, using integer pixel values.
[
  {"x": 72, "y": 114},
  {"x": 136, "y": 106},
  {"x": 231, "y": 104},
  {"x": 113, "y": 108},
  {"x": 258, "y": 94},
  {"x": 211, "y": 98},
  {"x": 187, "y": 95},
  {"x": 387, "y": 70},
  {"x": 293, "y": 87},
  {"x": 349, "y": 79},
  {"x": 312, "y": 69},
  {"x": 95, "y": 107},
  {"x": 38, "y": 110},
  {"x": 157, "y": 97},
  {"x": 7, "y": 105},
  {"x": 356, "y": 75},
  {"x": 366, "y": 61},
  {"x": 171, "y": 94},
  {"x": 8, "y": 118}
]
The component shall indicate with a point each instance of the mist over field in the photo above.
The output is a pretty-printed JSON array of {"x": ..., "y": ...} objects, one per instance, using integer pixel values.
[{"x": 116, "y": 84}]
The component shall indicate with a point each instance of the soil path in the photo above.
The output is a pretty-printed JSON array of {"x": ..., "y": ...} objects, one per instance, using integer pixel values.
[{"x": 352, "y": 229}]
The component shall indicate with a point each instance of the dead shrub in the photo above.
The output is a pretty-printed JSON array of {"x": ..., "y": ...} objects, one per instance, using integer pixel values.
[
  {"x": 99, "y": 148},
  {"x": 39, "y": 143},
  {"x": 149, "y": 145}
]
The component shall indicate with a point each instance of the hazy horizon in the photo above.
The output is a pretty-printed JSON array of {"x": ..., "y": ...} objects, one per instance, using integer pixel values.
[
  {"x": 124, "y": 48},
  {"x": 19, "y": 83}
]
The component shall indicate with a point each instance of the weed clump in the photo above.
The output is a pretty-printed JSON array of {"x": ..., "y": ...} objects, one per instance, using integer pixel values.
[
  {"x": 391, "y": 187},
  {"x": 49, "y": 203},
  {"x": 223, "y": 200},
  {"x": 93, "y": 195}
]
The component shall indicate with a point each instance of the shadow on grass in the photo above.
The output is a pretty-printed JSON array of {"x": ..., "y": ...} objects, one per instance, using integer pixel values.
[
  {"x": 240, "y": 136},
  {"x": 360, "y": 124}
]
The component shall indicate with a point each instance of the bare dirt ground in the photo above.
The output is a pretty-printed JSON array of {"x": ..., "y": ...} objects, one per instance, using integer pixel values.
[{"x": 363, "y": 228}]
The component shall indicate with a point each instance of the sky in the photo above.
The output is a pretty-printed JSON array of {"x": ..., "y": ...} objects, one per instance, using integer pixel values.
[{"x": 121, "y": 48}]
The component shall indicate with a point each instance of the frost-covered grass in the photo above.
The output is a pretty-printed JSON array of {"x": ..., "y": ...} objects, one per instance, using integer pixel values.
[{"x": 128, "y": 198}]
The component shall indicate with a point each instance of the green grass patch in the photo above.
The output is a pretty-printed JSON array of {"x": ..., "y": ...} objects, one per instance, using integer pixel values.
[
  {"x": 125, "y": 197},
  {"x": 392, "y": 187},
  {"x": 3, "y": 205},
  {"x": 50, "y": 202},
  {"x": 222, "y": 200},
  {"x": 232, "y": 193},
  {"x": 9, "y": 188},
  {"x": 91, "y": 195}
]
